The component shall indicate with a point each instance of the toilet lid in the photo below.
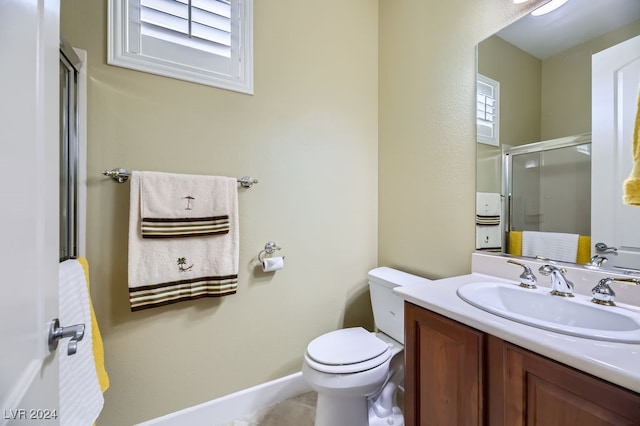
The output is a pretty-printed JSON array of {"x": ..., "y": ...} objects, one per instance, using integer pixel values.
[
  {"x": 348, "y": 368},
  {"x": 347, "y": 346}
]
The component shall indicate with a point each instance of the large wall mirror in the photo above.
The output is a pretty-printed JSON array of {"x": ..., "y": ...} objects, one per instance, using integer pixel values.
[{"x": 534, "y": 180}]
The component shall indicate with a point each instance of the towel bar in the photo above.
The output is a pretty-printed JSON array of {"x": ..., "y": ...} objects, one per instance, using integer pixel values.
[{"x": 121, "y": 175}]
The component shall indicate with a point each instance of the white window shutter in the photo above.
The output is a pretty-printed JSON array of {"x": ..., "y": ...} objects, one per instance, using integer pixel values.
[
  {"x": 203, "y": 24},
  {"x": 204, "y": 41}
]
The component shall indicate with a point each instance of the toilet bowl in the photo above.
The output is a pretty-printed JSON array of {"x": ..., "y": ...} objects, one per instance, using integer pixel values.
[
  {"x": 347, "y": 367},
  {"x": 356, "y": 373}
]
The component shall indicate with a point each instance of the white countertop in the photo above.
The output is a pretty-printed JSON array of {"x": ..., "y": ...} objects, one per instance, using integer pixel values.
[{"x": 618, "y": 363}]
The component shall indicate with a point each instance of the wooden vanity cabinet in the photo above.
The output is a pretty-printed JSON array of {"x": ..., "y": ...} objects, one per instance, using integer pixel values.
[
  {"x": 444, "y": 370},
  {"x": 529, "y": 389},
  {"x": 457, "y": 375}
]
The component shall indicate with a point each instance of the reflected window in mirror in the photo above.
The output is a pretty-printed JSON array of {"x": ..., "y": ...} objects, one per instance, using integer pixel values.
[{"x": 488, "y": 110}]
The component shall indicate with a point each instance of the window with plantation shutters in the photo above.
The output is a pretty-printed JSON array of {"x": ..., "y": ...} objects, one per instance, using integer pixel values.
[
  {"x": 202, "y": 41},
  {"x": 488, "y": 111}
]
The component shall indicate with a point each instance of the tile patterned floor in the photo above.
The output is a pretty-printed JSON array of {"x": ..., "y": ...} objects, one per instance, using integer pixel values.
[{"x": 297, "y": 411}]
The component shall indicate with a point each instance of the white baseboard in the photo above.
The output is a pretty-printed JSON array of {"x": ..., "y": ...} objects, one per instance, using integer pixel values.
[{"x": 235, "y": 405}]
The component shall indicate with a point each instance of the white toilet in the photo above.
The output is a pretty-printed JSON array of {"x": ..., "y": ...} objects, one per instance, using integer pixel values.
[{"x": 355, "y": 372}]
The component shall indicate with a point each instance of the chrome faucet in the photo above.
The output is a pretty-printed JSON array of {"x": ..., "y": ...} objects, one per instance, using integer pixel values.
[
  {"x": 603, "y": 294},
  {"x": 560, "y": 285},
  {"x": 596, "y": 260},
  {"x": 527, "y": 279}
]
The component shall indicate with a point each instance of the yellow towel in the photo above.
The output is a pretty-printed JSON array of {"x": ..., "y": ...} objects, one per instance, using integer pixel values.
[
  {"x": 98, "y": 349},
  {"x": 632, "y": 184},
  {"x": 515, "y": 243},
  {"x": 584, "y": 249}
]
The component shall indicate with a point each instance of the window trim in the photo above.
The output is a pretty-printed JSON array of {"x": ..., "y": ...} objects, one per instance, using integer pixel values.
[{"x": 118, "y": 55}]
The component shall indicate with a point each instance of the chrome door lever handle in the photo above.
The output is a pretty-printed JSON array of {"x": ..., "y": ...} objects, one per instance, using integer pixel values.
[
  {"x": 76, "y": 332},
  {"x": 603, "y": 248}
]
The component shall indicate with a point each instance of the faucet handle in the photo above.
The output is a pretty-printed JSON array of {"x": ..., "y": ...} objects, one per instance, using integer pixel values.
[
  {"x": 549, "y": 269},
  {"x": 527, "y": 279},
  {"x": 603, "y": 294}
]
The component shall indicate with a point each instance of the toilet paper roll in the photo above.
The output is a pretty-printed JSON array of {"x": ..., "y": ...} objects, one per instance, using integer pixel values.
[{"x": 270, "y": 264}]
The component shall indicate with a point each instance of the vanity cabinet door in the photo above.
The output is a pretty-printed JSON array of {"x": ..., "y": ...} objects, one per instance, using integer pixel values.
[
  {"x": 444, "y": 370},
  {"x": 528, "y": 389}
]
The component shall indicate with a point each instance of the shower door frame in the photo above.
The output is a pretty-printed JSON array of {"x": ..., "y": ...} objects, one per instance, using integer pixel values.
[{"x": 73, "y": 151}]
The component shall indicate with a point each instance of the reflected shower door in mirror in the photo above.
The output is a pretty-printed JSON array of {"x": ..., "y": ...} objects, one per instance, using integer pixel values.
[
  {"x": 548, "y": 187},
  {"x": 543, "y": 66}
]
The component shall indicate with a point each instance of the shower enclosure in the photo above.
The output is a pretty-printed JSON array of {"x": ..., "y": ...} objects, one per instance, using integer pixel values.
[{"x": 548, "y": 186}]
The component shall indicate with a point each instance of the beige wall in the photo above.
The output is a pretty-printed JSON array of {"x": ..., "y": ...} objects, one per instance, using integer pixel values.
[
  {"x": 309, "y": 133},
  {"x": 520, "y": 77},
  {"x": 566, "y": 90},
  {"x": 549, "y": 98},
  {"x": 427, "y": 129}
]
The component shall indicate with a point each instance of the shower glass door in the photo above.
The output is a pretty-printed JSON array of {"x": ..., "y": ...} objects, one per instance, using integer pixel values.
[{"x": 549, "y": 186}]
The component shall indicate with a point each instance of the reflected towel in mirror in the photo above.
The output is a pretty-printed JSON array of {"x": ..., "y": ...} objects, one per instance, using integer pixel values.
[
  {"x": 632, "y": 184},
  {"x": 552, "y": 245}
]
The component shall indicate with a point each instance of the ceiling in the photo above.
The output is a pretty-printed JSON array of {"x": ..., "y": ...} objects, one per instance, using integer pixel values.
[{"x": 573, "y": 23}]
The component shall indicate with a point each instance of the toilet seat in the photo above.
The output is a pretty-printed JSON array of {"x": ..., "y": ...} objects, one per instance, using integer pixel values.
[{"x": 346, "y": 351}]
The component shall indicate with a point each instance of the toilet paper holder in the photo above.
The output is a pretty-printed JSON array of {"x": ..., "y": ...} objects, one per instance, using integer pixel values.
[{"x": 269, "y": 248}]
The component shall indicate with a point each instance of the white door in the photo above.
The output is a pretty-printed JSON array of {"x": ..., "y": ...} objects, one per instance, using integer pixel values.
[
  {"x": 29, "y": 63},
  {"x": 615, "y": 85}
]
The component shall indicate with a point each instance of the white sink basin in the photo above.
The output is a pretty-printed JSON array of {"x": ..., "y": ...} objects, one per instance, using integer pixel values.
[{"x": 575, "y": 316}]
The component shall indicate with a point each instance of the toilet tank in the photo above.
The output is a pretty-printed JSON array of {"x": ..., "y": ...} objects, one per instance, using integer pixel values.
[{"x": 388, "y": 308}]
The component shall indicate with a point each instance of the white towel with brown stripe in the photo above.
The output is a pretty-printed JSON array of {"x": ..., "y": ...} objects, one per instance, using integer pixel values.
[
  {"x": 173, "y": 205},
  {"x": 183, "y": 238}
]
